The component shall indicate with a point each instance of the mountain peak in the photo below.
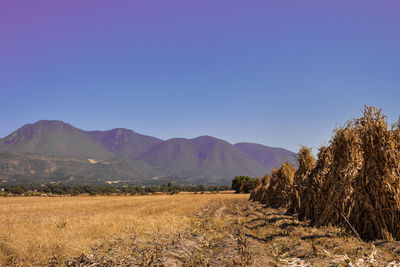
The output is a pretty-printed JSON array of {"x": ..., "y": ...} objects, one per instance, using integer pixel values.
[
  {"x": 28, "y": 131},
  {"x": 121, "y": 130},
  {"x": 123, "y": 142},
  {"x": 48, "y": 124},
  {"x": 55, "y": 139},
  {"x": 51, "y": 122},
  {"x": 205, "y": 137},
  {"x": 208, "y": 139}
]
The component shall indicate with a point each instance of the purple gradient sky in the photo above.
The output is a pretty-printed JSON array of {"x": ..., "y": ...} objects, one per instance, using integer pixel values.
[{"x": 279, "y": 73}]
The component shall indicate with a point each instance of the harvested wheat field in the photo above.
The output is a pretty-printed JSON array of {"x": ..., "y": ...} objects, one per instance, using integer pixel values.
[
  {"x": 178, "y": 230},
  {"x": 42, "y": 230}
]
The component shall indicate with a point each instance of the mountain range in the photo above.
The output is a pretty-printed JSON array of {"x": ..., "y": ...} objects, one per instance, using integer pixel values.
[{"x": 55, "y": 151}]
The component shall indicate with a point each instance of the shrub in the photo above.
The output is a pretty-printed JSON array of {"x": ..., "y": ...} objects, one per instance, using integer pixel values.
[{"x": 243, "y": 184}]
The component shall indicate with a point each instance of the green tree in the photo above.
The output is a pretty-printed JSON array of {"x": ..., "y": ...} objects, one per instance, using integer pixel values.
[{"x": 243, "y": 184}]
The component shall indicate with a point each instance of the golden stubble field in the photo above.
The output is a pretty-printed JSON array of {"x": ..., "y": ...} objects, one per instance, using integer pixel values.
[
  {"x": 179, "y": 230},
  {"x": 42, "y": 230}
]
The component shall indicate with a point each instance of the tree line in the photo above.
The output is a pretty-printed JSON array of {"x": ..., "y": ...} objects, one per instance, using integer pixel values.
[
  {"x": 74, "y": 190},
  {"x": 241, "y": 184}
]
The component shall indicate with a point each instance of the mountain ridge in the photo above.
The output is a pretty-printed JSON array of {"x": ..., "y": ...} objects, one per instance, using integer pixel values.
[
  {"x": 269, "y": 157},
  {"x": 201, "y": 156},
  {"x": 130, "y": 155},
  {"x": 123, "y": 142}
]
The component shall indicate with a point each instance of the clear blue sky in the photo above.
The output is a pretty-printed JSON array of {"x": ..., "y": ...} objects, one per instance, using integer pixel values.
[{"x": 279, "y": 73}]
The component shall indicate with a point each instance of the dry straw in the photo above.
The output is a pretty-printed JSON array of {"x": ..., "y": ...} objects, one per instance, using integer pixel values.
[
  {"x": 306, "y": 165},
  {"x": 275, "y": 189},
  {"x": 259, "y": 193},
  {"x": 355, "y": 183},
  {"x": 362, "y": 186},
  {"x": 312, "y": 189},
  {"x": 253, "y": 194}
]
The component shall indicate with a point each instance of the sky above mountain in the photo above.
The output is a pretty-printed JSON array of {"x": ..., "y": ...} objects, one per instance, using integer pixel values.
[{"x": 278, "y": 73}]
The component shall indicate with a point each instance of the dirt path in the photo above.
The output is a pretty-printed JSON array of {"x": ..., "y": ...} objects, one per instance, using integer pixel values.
[{"x": 243, "y": 233}]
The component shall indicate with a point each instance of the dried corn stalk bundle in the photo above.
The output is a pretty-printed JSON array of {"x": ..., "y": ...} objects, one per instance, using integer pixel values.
[
  {"x": 253, "y": 194},
  {"x": 265, "y": 184},
  {"x": 261, "y": 187},
  {"x": 277, "y": 193},
  {"x": 312, "y": 189},
  {"x": 361, "y": 190},
  {"x": 306, "y": 165}
]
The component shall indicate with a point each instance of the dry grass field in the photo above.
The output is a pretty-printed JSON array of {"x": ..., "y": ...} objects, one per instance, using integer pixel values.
[
  {"x": 37, "y": 230},
  {"x": 178, "y": 230}
]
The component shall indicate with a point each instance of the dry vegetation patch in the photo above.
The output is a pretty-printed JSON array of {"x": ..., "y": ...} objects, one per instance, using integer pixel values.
[
  {"x": 362, "y": 184},
  {"x": 354, "y": 184},
  {"x": 34, "y": 230},
  {"x": 275, "y": 189},
  {"x": 180, "y": 230}
]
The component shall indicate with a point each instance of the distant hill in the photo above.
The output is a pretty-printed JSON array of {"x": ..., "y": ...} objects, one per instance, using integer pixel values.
[
  {"x": 268, "y": 157},
  {"x": 125, "y": 143},
  {"x": 54, "y": 139},
  {"x": 57, "y": 151},
  {"x": 33, "y": 168},
  {"x": 204, "y": 156}
]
